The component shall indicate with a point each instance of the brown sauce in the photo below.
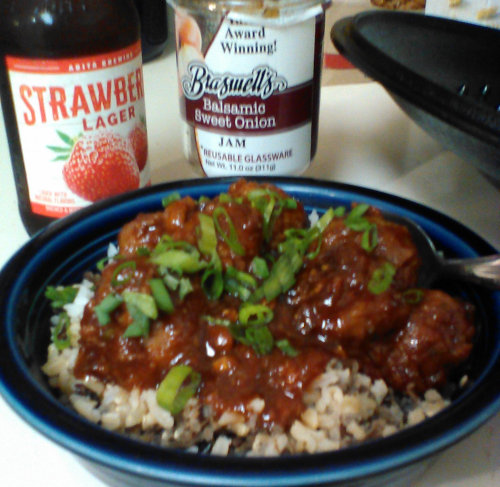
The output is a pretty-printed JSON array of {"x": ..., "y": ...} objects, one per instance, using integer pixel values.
[{"x": 328, "y": 312}]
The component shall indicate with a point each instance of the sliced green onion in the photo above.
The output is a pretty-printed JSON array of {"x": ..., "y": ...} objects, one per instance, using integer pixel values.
[
  {"x": 381, "y": 278},
  {"x": 286, "y": 348},
  {"x": 244, "y": 278},
  {"x": 59, "y": 296},
  {"x": 270, "y": 204},
  {"x": 212, "y": 281},
  {"x": 413, "y": 296},
  {"x": 140, "y": 323},
  {"x": 101, "y": 263},
  {"x": 224, "y": 198},
  {"x": 238, "y": 283},
  {"x": 142, "y": 301},
  {"x": 289, "y": 203},
  {"x": 161, "y": 295},
  {"x": 325, "y": 219},
  {"x": 173, "y": 394},
  {"x": 170, "y": 198},
  {"x": 236, "y": 289},
  {"x": 355, "y": 219},
  {"x": 143, "y": 252},
  {"x": 117, "y": 278},
  {"x": 185, "y": 287},
  {"x": 369, "y": 239},
  {"x": 281, "y": 277},
  {"x": 167, "y": 243},
  {"x": 339, "y": 211},
  {"x": 357, "y": 212},
  {"x": 104, "y": 309},
  {"x": 60, "y": 332},
  {"x": 314, "y": 253},
  {"x": 259, "y": 267},
  {"x": 260, "y": 339},
  {"x": 180, "y": 261},
  {"x": 207, "y": 241},
  {"x": 171, "y": 281},
  {"x": 216, "y": 321},
  {"x": 255, "y": 314},
  {"x": 231, "y": 237},
  {"x": 358, "y": 223},
  {"x": 299, "y": 240}
]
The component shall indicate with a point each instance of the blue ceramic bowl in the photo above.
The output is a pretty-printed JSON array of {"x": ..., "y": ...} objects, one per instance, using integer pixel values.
[{"x": 63, "y": 251}]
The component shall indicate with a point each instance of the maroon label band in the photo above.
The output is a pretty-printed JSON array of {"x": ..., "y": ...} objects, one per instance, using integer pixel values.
[{"x": 252, "y": 114}]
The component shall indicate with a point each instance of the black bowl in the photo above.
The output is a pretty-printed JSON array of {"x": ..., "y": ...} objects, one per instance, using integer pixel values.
[
  {"x": 66, "y": 249},
  {"x": 443, "y": 73}
]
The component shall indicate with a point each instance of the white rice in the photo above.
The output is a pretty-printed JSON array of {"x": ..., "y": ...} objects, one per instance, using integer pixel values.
[{"x": 342, "y": 407}]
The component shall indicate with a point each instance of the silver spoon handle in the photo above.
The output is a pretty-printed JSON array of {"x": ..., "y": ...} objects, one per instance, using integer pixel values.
[{"x": 481, "y": 270}]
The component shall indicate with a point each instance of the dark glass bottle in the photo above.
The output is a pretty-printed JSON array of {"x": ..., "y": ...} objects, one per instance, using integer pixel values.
[{"x": 67, "y": 68}]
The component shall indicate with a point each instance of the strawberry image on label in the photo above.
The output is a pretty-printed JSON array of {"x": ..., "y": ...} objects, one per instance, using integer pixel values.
[
  {"x": 138, "y": 138},
  {"x": 100, "y": 164}
]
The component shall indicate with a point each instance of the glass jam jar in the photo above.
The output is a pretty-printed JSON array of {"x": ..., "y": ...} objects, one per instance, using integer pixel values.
[{"x": 249, "y": 75}]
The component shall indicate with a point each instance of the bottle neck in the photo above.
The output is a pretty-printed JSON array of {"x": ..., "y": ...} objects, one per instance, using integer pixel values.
[{"x": 60, "y": 28}]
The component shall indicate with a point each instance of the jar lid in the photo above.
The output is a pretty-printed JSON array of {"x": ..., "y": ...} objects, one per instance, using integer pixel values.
[{"x": 263, "y": 12}]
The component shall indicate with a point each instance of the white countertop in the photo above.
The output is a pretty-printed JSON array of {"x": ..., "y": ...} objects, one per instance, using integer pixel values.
[{"x": 364, "y": 139}]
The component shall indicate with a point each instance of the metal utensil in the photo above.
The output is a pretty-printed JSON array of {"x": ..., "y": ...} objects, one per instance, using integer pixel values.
[{"x": 484, "y": 271}]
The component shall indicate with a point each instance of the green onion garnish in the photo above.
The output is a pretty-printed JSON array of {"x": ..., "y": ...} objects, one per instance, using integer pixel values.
[
  {"x": 60, "y": 332},
  {"x": 143, "y": 252},
  {"x": 326, "y": 218},
  {"x": 180, "y": 260},
  {"x": 230, "y": 237},
  {"x": 171, "y": 281},
  {"x": 207, "y": 240},
  {"x": 224, "y": 198},
  {"x": 286, "y": 348},
  {"x": 358, "y": 223},
  {"x": 212, "y": 281},
  {"x": 185, "y": 287},
  {"x": 170, "y": 198},
  {"x": 381, "y": 278},
  {"x": 117, "y": 278},
  {"x": 282, "y": 276},
  {"x": 239, "y": 283},
  {"x": 173, "y": 393},
  {"x": 369, "y": 239},
  {"x": 216, "y": 321},
  {"x": 255, "y": 314},
  {"x": 142, "y": 301},
  {"x": 59, "y": 296},
  {"x": 270, "y": 204},
  {"x": 140, "y": 323},
  {"x": 167, "y": 242},
  {"x": 356, "y": 213},
  {"x": 106, "y": 307},
  {"x": 413, "y": 296},
  {"x": 260, "y": 339},
  {"x": 161, "y": 295},
  {"x": 259, "y": 268}
]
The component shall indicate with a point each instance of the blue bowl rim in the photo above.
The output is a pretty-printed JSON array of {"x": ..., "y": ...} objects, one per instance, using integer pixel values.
[{"x": 101, "y": 447}]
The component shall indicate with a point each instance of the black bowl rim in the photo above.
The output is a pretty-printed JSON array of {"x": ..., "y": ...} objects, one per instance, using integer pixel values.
[
  {"x": 101, "y": 447},
  {"x": 410, "y": 85}
]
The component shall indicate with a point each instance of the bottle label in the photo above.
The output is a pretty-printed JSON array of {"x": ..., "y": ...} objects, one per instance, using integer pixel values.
[
  {"x": 249, "y": 96},
  {"x": 82, "y": 127}
]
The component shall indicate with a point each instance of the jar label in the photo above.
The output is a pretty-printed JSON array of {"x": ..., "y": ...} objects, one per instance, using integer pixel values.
[
  {"x": 82, "y": 127},
  {"x": 250, "y": 97}
]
